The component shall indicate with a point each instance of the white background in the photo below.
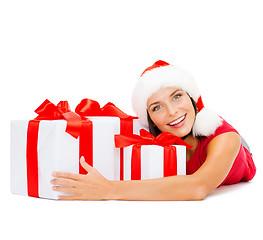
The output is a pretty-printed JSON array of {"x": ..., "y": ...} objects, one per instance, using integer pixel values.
[{"x": 69, "y": 50}]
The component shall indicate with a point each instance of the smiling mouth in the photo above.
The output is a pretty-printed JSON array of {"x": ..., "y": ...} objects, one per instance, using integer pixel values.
[{"x": 177, "y": 121}]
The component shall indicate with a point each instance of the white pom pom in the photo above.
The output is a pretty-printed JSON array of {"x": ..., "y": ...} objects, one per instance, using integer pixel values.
[{"x": 206, "y": 123}]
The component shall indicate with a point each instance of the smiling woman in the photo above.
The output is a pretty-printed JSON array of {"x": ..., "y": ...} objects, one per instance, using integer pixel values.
[
  {"x": 174, "y": 105},
  {"x": 155, "y": 130},
  {"x": 172, "y": 112},
  {"x": 166, "y": 99}
]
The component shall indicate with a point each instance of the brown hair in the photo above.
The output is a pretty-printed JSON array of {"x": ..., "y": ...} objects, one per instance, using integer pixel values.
[{"x": 154, "y": 130}]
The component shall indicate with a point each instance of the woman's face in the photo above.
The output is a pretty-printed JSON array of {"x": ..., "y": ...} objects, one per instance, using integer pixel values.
[{"x": 171, "y": 110}]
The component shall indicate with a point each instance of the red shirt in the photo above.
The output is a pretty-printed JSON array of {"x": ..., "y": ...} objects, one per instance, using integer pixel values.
[{"x": 243, "y": 168}]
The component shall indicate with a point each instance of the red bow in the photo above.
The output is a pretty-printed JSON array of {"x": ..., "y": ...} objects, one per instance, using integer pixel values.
[
  {"x": 146, "y": 138},
  {"x": 88, "y": 107},
  {"x": 48, "y": 111}
]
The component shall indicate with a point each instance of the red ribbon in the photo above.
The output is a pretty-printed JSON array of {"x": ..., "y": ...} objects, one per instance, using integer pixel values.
[
  {"x": 88, "y": 107},
  {"x": 77, "y": 126},
  {"x": 165, "y": 140},
  {"x": 146, "y": 138},
  {"x": 48, "y": 111},
  {"x": 169, "y": 164}
]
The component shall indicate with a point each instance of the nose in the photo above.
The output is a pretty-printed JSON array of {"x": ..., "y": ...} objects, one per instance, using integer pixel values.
[{"x": 171, "y": 110}]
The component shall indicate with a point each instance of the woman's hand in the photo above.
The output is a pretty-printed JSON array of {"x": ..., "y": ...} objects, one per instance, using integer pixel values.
[{"x": 92, "y": 186}]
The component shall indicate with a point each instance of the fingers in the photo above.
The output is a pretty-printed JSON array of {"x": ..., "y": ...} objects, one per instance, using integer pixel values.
[
  {"x": 71, "y": 182},
  {"x": 65, "y": 185},
  {"x": 73, "y": 176},
  {"x": 64, "y": 182},
  {"x": 85, "y": 165},
  {"x": 73, "y": 197},
  {"x": 65, "y": 189}
]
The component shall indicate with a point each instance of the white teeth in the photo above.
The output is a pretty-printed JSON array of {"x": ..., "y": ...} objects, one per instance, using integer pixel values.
[{"x": 177, "y": 121}]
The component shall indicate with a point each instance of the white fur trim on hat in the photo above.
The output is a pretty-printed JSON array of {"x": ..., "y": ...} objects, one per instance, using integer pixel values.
[{"x": 167, "y": 75}]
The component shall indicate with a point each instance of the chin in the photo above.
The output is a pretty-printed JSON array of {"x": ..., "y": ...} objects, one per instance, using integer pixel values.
[{"x": 180, "y": 134}]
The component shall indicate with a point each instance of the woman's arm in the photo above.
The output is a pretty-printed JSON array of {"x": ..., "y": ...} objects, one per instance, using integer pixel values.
[
  {"x": 166, "y": 189},
  {"x": 221, "y": 153}
]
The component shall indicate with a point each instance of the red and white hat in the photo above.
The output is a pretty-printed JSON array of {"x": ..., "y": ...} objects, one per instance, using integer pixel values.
[{"x": 161, "y": 74}]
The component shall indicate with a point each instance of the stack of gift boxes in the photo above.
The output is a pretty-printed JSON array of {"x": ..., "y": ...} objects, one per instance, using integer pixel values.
[{"x": 111, "y": 141}]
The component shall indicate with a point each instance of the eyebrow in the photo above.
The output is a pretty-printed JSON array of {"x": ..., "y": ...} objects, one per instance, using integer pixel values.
[
  {"x": 170, "y": 96},
  {"x": 175, "y": 92}
]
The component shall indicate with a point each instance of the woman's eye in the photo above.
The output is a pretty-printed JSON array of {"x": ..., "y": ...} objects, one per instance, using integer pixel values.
[
  {"x": 175, "y": 97},
  {"x": 156, "y": 108}
]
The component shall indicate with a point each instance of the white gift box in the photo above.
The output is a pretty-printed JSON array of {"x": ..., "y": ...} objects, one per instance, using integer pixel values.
[
  {"x": 59, "y": 151},
  {"x": 152, "y": 161}
]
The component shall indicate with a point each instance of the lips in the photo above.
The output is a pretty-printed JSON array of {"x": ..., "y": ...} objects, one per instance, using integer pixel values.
[{"x": 177, "y": 121}]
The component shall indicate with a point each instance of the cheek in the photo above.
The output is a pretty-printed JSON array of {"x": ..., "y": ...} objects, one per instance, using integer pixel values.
[
  {"x": 190, "y": 112},
  {"x": 188, "y": 106},
  {"x": 157, "y": 118}
]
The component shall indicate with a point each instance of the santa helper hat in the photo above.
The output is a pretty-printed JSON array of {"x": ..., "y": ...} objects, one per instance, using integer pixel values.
[{"x": 160, "y": 75}]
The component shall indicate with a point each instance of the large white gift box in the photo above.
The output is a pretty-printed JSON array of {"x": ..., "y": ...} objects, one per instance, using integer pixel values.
[{"x": 57, "y": 150}]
